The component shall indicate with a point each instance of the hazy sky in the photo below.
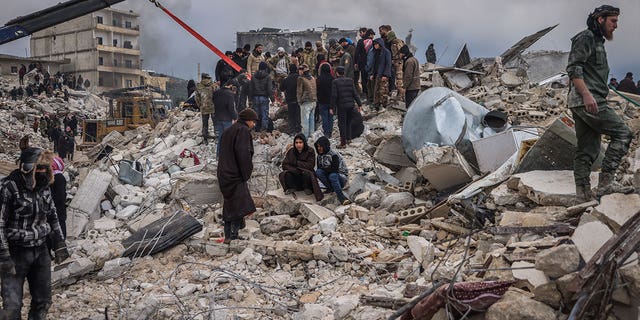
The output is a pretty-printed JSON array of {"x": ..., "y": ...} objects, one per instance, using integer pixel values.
[{"x": 489, "y": 27}]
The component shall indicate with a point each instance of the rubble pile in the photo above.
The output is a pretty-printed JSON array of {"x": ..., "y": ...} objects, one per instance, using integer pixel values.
[
  {"x": 17, "y": 117},
  {"x": 506, "y": 244}
]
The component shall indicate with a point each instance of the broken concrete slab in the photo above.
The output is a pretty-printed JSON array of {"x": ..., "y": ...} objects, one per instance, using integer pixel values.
[
  {"x": 515, "y": 304},
  {"x": 550, "y": 188},
  {"x": 113, "y": 268},
  {"x": 558, "y": 261},
  {"x": 397, "y": 201},
  {"x": 510, "y": 80},
  {"x": 590, "y": 235},
  {"x": 197, "y": 188},
  {"x": 105, "y": 224},
  {"x": 444, "y": 167},
  {"x": 315, "y": 213},
  {"x": 422, "y": 250},
  {"x": 535, "y": 277},
  {"x": 615, "y": 209},
  {"x": 548, "y": 293},
  {"x": 278, "y": 223},
  {"x": 457, "y": 80},
  {"x": 390, "y": 153},
  {"x": 525, "y": 219},
  {"x": 328, "y": 225},
  {"x": 503, "y": 196},
  {"x": 385, "y": 176},
  {"x": 631, "y": 275},
  {"x": 87, "y": 201}
]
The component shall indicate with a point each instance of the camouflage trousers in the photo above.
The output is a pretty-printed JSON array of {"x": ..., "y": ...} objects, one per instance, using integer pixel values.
[
  {"x": 589, "y": 129},
  {"x": 397, "y": 69},
  {"x": 381, "y": 92}
]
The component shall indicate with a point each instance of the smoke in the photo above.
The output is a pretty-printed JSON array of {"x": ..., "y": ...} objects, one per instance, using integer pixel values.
[{"x": 488, "y": 27}]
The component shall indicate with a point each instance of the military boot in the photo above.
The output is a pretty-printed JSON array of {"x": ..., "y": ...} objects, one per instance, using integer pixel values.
[
  {"x": 607, "y": 185},
  {"x": 584, "y": 194}
]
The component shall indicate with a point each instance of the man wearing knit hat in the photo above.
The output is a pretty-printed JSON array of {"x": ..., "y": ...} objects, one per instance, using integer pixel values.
[
  {"x": 235, "y": 166},
  {"x": 28, "y": 221},
  {"x": 588, "y": 70}
]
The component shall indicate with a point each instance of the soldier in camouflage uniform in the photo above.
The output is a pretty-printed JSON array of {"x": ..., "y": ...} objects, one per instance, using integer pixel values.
[
  {"x": 204, "y": 100},
  {"x": 588, "y": 69},
  {"x": 396, "y": 61},
  {"x": 309, "y": 57},
  {"x": 380, "y": 73}
]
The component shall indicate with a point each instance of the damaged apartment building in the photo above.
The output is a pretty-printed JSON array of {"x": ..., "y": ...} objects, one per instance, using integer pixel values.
[
  {"x": 102, "y": 46},
  {"x": 272, "y": 38}
]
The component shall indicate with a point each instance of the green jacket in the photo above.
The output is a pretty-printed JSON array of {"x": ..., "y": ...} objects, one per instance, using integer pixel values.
[
  {"x": 204, "y": 95},
  {"x": 588, "y": 61}
]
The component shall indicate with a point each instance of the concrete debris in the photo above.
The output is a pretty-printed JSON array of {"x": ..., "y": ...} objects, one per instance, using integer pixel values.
[
  {"x": 302, "y": 259},
  {"x": 550, "y": 188},
  {"x": 443, "y": 167},
  {"x": 516, "y": 304},
  {"x": 558, "y": 261}
]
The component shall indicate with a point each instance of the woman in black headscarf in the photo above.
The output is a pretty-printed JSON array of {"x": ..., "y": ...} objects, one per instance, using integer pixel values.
[{"x": 297, "y": 166}]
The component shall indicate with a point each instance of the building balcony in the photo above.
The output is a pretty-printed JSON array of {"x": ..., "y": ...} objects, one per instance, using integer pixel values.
[
  {"x": 132, "y": 52},
  {"x": 120, "y": 69},
  {"x": 120, "y": 29}
]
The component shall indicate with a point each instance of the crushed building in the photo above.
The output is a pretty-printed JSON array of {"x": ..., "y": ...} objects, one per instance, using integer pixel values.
[{"x": 272, "y": 38}]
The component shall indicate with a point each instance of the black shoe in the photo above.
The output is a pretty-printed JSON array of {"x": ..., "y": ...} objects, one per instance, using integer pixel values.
[{"x": 308, "y": 191}]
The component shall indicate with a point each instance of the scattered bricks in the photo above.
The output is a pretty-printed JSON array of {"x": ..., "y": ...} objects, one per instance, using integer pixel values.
[
  {"x": 520, "y": 113},
  {"x": 406, "y": 187},
  {"x": 554, "y": 112},
  {"x": 390, "y": 188},
  {"x": 537, "y": 115},
  {"x": 358, "y": 212},
  {"x": 408, "y": 215}
]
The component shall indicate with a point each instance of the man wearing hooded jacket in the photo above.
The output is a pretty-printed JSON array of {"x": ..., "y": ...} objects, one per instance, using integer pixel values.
[{"x": 28, "y": 221}]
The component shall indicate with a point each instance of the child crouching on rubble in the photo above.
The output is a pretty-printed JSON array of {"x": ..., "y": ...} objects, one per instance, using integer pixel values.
[
  {"x": 332, "y": 170},
  {"x": 297, "y": 166}
]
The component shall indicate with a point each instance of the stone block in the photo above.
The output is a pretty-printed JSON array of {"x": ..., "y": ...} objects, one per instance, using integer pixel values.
[
  {"x": 524, "y": 219},
  {"x": 444, "y": 167},
  {"x": 503, "y": 196},
  {"x": 113, "y": 268},
  {"x": 358, "y": 212},
  {"x": 615, "y": 209},
  {"x": 391, "y": 154},
  {"x": 315, "y": 213},
  {"x": 90, "y": 193},
  {"x": 550, "y": 188},
  {"x": 105, "y": 224},
  {"x": 216, "y": 249},
  {"x": 590, "y": 235},
  {"x": 197, "y": 188},
  {"x": 127, "y": 213},
  {"x": 328, "y": 225},
  {"x": 558, "y": 261},
  {"x": 517, "y": 305},
  {"x": 534, "y": 276},
  {"x": 278, "y": 223},
  {"x": 397, "y": 201},
  {"x": 422, "y": 250}
]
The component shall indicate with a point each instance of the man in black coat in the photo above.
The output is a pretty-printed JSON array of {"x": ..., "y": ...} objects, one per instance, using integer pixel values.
[
  {"x": 343, "y": 99},
  {"x": 234, "y": 171},
  {"x": 290, "y": 88},
  {"x": 225, "y": 109}
]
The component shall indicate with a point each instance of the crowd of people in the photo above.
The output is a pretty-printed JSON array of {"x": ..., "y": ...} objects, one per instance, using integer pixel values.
[
  {"x": 321, "y": 83},
  {"x": 34, "y": 80},
  {"x": 626, "y": 84}
]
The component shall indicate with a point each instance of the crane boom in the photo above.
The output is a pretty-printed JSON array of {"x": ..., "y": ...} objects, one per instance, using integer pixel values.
[{"x": 26, "y": 25}]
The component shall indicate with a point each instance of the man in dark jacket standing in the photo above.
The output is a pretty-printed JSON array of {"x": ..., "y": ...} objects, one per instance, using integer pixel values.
[
  {"x": 627, "y": 84},
  {"x": 234, "y": 171},
  {"x": 289, "y": 86},
  {"x": 260, "y": 91},
  {"x": 28, "y": 220},
  {"x": 224, "y": 71},
  {"x": 431, "y": 54},
  {"x": 343, "y": 99},
  {"x": 411, "y": 75},
  {"x": 225, "y": 110},
  {"x": 380, "y": 73}
]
